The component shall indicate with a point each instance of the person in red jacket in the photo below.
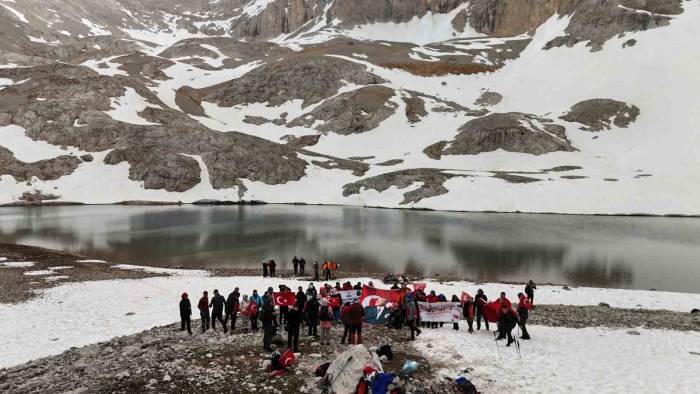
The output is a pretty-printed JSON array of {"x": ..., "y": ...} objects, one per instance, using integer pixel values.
[
  {"x": 203, "y": 307},
  {"x": 524, "y": 307},
  {"x": 345, "y": 318},
  {"x": 432, "y": 298},
  {"x": 357, "y": 316},
  {"x": 505, "y": 301}
]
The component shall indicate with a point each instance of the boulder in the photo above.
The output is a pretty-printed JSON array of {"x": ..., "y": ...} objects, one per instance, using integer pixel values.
[{"x": 346, "y": 370}]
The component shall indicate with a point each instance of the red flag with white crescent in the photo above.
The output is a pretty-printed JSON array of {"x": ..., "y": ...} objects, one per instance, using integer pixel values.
[{"x": 284, "y": 299}]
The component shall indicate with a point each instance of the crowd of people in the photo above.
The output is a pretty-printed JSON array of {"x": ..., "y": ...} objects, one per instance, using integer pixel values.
[
  {"x": 329, "y": 269},
  {"x": 319, "y": 310}
]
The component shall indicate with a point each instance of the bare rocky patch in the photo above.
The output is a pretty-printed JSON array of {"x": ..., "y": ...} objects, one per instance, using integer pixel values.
[
  {"x": 431, "y": 183},
  {"x": 513, "y": 132},
  {"x": 602, "y": 114},
  {"x": 45, "y": 170}
]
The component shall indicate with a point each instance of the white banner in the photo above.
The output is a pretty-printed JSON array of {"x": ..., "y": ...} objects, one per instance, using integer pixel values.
[
  {"x": 439, "y": 312},
  {"x": 349, "y": 295}
]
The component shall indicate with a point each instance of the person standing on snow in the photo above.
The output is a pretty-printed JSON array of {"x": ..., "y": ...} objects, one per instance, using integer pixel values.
[
  {"x": 267, "y": 317},
  {"x": 311, "y": 291},
  {"x": 311, "y": 312},
  {"x": 506, "y": 323},
  {"x": 217, "y": 312},
  {"x": 480, "y": 302},
  {"x": 295, "y": 265},
  {"x": 357, "y": 316},
  {"x": 325, "y": 316},
  {"x": 185, "y": 314},
  {"x": 524, "y": 308},
  {"x": 264, "y": 268},
  {"x": 293, "y": 322},
  {"x": 468, "y": 309},
  {"x": 316, "y": 278},
  {"x": 455, "y": 324},
  {"x": 272, "y": 265},
  {"x": 232, "y": 307},
  {"x": 431, "y": 299},
  {"x": 300, "y": 299},
  {"x": 504, "y": 301},
  {"x": 302, "y": 264},
  {"x": 345, "y": 318},
  {"x": 411, "y": 311},
  {"x": 530, "y": 291},
  {"x": 203, "y": 307}
]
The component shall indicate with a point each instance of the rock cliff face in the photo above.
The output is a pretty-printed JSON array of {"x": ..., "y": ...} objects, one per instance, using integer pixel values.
[{"x": 345, "y": 101}]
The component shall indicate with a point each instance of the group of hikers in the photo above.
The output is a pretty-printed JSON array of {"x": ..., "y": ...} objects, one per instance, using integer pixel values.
[
  {"x": 311, "y": 307},
  {"x": 328, "y": 268}
]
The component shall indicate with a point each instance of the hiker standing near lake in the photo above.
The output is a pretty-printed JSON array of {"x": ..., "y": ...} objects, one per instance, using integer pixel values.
[
  {"x": 357, "y": 316},
  {"x": 293, "y": 322},
  {"x": 480, "y": 302},
  {"x": 217, "y": 312},
  {"x": 272, "y": 265},
  {"x": 295, "y": 265},
  {"x": 468, "y": 310},
  {"x": 264, "y": 269},
  {"x": 411, "y": 311},
  {"x": 232, "y": 307},
  {"x": 506, "y": 323},
  {"x": 524, "y": 308},
  {"x": 316, "y": 278},
  {"x": 325, "y": 316},
  {"x": 530, "y": 291},
  {"x": 185, "y": 314},
  {"x": 311, "y": 313},
  {"x": 267, "y": 317},
  {"x": 302, "y": 264},
  {"x": 203, "y": 306}
]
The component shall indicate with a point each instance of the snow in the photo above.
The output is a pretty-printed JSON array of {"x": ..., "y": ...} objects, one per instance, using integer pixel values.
[
  {"x": 27, "y": 150},
  {"x": 562, "y": 360},
  {"x": 105, "y": 66},
  {"x": 154, "y": 302},
  {"x": 95, "y": 29},
  {"x": 38, "y": 273},
  {"x": 91, "y": 261},
  {"x": 16, "y": 13},
  {"x": 15, "y": 264},
  {"x": 126, "y": 108}
]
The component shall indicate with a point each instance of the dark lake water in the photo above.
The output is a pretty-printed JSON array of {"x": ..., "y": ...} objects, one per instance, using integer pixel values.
[{"x": 626, "y": 252}]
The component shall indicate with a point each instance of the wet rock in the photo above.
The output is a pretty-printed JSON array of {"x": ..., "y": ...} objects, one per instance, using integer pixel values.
[
  {"x": 604, "y": 304},
  {"x": 87, "y": 158},
  {"x": 601, "y": 114},
  {"x": 695, "y": 311},
  {"x": 513, "y": 132},
  {"x": 632, "y": 332}
]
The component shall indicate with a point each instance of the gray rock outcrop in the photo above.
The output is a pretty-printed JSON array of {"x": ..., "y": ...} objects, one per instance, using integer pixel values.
[
  {"x": 513, "y": 132},
  {"x": 602, "y": 114}
]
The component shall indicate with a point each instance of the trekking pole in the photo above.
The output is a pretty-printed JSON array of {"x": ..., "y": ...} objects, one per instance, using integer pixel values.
[
  {"x": 517, "y": 347},
  {"x": 498, "y": 349}
]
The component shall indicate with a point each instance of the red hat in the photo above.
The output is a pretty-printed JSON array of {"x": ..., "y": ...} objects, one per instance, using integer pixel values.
[{"x": 184, "y": 295}]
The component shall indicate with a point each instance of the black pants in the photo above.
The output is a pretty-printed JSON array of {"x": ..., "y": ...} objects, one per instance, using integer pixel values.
[
  {"x": 523, "y": 321},
  {"x": 470, "y": 323},
  {"x": 479, "y": 315},
  {"x": 316, "y": 275},
  {"x": 186, "y": 322},
  {"x": 301, "y": 270},
  {"x": 232, "y": 316},
  {"x": 267, "y": 336},
  {"x": 293, "y": 339},
  {"x": 327, "y": 274},
  {"x": 433, "y": 325},
  {"x": 313, "y": 329},
  {"x": 206, "y": 319},
  {"x": 264, "y": 271},
  {"x": 272, "y": 272},
  {"x": 412, "y": 326},
  {"x": 217, "y": 315},
  {"x": 346, "y": 332},
  {"x": 356, "y": 329},
  {"x": 531, "y": 298},
  {"x": 283, "y": 314},
  {"x": 455, "y": 326},
  {"x": 254, "y": 322},
  {"x": 295, "y": 269}
]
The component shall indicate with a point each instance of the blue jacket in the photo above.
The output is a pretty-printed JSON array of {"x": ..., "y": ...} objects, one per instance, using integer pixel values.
[{"x": 257, "y": 299}]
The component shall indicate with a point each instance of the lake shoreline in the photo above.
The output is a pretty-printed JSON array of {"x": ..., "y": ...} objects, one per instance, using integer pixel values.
[{"x": 20, "y": 204}]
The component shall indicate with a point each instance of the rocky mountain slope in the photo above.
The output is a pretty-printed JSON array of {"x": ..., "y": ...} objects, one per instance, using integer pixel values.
[{"x": 571, "y": 106}]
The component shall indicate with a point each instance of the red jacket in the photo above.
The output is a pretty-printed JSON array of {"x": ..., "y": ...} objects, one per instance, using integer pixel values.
[
  {"x": 432, "y": 298},
  {"x": 524, "y": 303},
  {"x": 347, "y": 286},
  {"x": 203, "y": 304},
  {"x": 345, "y": 314},
  {"x": 506, "y": 302}
]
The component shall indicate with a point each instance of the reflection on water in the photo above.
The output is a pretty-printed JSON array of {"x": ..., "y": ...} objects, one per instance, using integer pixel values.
[{"x": 580, "y": 250}]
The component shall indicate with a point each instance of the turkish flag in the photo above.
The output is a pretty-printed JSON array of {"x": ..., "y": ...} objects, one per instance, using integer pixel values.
[
  {"x": 419, "y": 286},
  {"x": 388, "y": 295},
  {"x": 465, "y": 295},
  {"x": 284, "y": 299},
  {"x": 333, "y": 301},
  {"x": 492, "y": 311}
]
